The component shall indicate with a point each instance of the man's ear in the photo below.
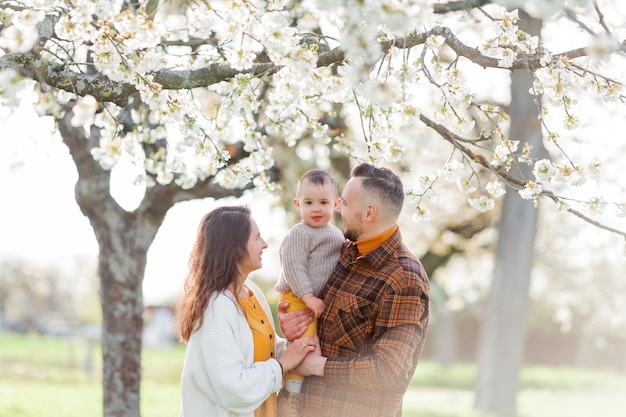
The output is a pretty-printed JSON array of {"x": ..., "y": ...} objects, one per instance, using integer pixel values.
[{"x": 370, "y": 212}]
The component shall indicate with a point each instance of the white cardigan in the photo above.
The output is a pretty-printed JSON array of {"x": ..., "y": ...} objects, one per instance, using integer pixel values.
[{"x": 220, "y": 377}]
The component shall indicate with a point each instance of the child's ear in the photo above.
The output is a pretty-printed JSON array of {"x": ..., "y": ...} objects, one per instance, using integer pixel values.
[{"x": 296, "y": 202}]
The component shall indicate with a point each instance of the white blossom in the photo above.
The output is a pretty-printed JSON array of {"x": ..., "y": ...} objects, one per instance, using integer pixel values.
[
  {"x": 495, "y": 188},
  {"x": 84, "y": 111},
  {"x": 420, "y": 184},
  {"x": 434, "y": 41},
  {"x": 482, "y": 203},
  {"x": 421, "y": 215},
  {"x": 573, "y": 175},
  {"x": 9, "y": 83},
  {"x": 506, "y": 58},
  {"x": 593, "y": 169},
  {"x": 47, "y": 104},
  {"x": 544, "y": 171},
  {"x": 595, "y": 205},
  {"x": 18, "y": 39},
  {"x": 452, "y": 170},
  {"x": 500, "y": 156},
  {"x": 240, "y": 59},
  {"x": 381, "y": 93},
  {"x": 108, "y": 153},
  {"x": 465, "y": 186},
  {"x": 530, "y": 190}
]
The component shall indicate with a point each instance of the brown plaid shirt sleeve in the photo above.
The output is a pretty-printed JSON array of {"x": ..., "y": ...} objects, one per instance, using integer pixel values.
[{"x": 372, "y": 332}]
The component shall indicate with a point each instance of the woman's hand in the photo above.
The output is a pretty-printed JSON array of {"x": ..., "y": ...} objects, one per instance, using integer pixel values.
[
  {"x": 297, "y": 351},
  {"x": 294, "y": 323}
]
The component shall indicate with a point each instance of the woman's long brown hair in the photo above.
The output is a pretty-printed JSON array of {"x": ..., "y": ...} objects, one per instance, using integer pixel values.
[{"x": 220, "y": 246}]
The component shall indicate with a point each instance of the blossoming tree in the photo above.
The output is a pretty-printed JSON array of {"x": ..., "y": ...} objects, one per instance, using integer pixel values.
[{"x": 195, "y": 94}]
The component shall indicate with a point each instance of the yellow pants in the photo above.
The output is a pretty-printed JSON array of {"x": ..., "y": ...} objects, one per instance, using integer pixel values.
[{"x": 295, "y": 303}]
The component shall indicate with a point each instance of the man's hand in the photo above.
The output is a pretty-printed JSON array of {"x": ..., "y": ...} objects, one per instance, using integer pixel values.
[
  {"x": 313, "y": 363},
  {"x": 294, "y": 323}
]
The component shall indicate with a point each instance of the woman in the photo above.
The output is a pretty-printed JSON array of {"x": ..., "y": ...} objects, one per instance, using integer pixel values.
[{"x": 234, "y": 363}]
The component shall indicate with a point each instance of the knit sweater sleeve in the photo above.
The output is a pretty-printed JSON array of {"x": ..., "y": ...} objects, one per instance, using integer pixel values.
[{"x": 294, "y": 254}]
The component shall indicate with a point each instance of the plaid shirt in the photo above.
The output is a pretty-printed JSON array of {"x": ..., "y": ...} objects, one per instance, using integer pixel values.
[{"x": 372, "y": 331}]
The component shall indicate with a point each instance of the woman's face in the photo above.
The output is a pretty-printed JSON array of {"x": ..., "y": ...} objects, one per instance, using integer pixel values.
[{"x": 255, "y": 247}]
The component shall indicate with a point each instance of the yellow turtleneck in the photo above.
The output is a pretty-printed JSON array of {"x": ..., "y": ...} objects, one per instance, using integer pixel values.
[{"x": 370, "y": 244}]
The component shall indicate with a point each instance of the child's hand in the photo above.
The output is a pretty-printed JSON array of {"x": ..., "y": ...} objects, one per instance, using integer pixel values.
[{"x": 316, "y": 305}]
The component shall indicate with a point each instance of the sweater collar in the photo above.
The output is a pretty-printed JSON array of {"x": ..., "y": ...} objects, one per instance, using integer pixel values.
[
  {"x": 370, "y": 244},
  {"x": 379, "y": 256}
]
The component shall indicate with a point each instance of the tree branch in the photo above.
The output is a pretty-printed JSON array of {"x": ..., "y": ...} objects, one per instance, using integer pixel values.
[
  {"x": 455, "y": 6},
  {"x": 455, "y": 140},
  {"x": 59, "y": 75},
  {"x": 460, "y": 48},
  {"x": 92, "y": 187}
]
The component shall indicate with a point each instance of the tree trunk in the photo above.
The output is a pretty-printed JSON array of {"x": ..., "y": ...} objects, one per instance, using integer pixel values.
[
  {"x": 121, "y": 266},
  {"x": 584, "y": 353},
  {"x": 502, "y": 348},
  {"x": 124, "y": 239},
  {"x": 445, "y": 339},
  {"x": 501, "y": 352}
]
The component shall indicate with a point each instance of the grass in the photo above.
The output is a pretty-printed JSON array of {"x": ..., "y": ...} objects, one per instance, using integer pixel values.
[
  {"x": 461, "y": 376},
  {"x": 45, "y": 377}
]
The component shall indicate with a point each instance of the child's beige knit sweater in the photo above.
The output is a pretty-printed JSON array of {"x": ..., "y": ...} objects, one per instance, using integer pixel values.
[{"x": 308, "y": 255}]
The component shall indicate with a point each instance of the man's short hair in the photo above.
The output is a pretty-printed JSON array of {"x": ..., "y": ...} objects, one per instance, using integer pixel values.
[{"x": 383, "y": 183}]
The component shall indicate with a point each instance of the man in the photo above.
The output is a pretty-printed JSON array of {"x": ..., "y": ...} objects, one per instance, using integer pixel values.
[{"x": 373, "y": 326}]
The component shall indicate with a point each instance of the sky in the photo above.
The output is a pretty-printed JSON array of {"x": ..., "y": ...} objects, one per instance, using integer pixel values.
[{"x": 36, "y": 183}]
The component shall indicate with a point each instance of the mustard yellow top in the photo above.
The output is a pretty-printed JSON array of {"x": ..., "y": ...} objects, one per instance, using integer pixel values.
[{"x": 263, "y": 337}]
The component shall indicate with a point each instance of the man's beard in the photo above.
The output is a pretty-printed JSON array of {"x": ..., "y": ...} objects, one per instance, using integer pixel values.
[{"x": 352, "y": 233}]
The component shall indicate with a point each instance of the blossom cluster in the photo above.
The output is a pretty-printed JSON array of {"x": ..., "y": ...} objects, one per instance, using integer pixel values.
[{"x": 178, "y": 133}]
